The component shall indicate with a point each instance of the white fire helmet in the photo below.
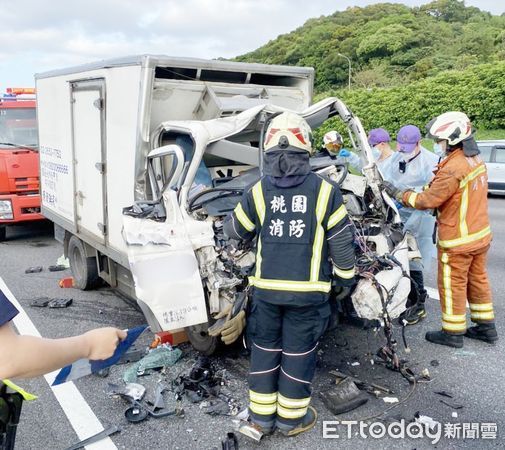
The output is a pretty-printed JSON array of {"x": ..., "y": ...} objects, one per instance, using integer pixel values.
[
  {"x": 333, "y": 142},
  {"x": 452, "y": 126},
  {"x": 288, "y": 130}
]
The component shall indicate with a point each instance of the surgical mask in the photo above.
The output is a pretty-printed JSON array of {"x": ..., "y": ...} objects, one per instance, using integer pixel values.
[
  {"x": 438, "y": 150},
  {"x": 376, "y": 153},
  {"x": 406, "y": 156}
]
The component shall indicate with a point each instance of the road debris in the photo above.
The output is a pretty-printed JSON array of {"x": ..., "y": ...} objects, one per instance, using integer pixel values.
[
  {"x": 60, "y": 303},
  {"x": 426, "y": 420},
  {"x": 390, "y": 399},
  {"x": 343, "y": 397},
  {"x": 62, "y": 261},
  {"x": 451, "y": 404},
  {"x": 57, "y": 268},
  {"x": 67, "y": 282},
  {"x": 158, "y": 358},
  {"x": 434, "y": 363},
  {"x": 444, "y": 394},
  {"x": 41, "y": 302},
  {"x": 96, "y": 438},
  {"x": 230, "y": 442},
  {"x": 35, "y": 269}
]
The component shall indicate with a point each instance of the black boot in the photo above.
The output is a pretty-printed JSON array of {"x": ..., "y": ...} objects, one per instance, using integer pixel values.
[
  {"x": 484, "y": 332},
  {"x": 308, "y": 422},
  {"x": 443, "y": 338},
  {"x": 415, "y": 313}
]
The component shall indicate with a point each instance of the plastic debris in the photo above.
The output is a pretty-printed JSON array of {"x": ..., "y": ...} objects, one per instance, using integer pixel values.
[
  {"x": 133, "y": 391},
  {"x": 41, "y": 302},
  {"x": 356, "y": 363},
  {"x": 426, "y": 420},
  {"x": 60, "y": 303},
  {"x": 35, "y": 269},
  {"x": 67, "y": 282},
  {"x": 390, "y": 399},
  {"x": 444, "y": 394},
  {"x": 434, "y": 363},
  {"x": 96, "y": 438},
  {"x": 343, "y": 397},
  {"x": 454, "y": 414},
  {"x": 162, "y": 356},
  {"x": 451, "y": 404},
  {"x": 57, "y": 268},
  {"x": 62, "y": 261}
]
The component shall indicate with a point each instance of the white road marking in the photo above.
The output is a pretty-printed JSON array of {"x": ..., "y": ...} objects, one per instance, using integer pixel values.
[{"x": 80, "y": 415}]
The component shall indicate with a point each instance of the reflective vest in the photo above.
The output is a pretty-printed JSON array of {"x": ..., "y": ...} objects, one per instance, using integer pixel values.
[
  {"x": 459, "y": 193},
  {"x": 291, "y": 226}
]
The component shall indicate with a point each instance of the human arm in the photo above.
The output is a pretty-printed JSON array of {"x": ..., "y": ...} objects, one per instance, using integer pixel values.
[
  {"x": 240, "y": 224},
  {"x": 29, "y": 356}
]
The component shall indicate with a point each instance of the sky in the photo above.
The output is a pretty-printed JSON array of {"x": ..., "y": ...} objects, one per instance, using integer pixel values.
[{"x": 38, "y": 35}]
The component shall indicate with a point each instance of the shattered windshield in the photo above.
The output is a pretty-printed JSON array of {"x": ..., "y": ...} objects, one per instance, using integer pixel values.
[{"x": 18, "y": 126}]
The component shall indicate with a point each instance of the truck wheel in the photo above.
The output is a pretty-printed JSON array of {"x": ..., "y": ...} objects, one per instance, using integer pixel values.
[
  {"x": 84, "y": 269},
  {"x": 3, "y": 233},
  {"x": 200, "y": 339}
]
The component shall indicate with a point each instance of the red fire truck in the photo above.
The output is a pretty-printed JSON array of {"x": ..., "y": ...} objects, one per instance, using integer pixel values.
[{"x": 19, "y": 159}]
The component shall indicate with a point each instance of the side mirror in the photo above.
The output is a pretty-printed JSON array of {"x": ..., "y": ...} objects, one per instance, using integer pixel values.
[{"x": 162, "y": 175}]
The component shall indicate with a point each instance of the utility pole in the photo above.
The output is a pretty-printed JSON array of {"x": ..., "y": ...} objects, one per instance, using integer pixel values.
[{"x": 349, "y": 61}]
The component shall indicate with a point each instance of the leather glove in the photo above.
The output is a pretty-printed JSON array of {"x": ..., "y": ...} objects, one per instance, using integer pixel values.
[
  {"x": 233, "y": 328},
  {"x": 344, "y": 153},
  {"x": 393, "y": 191},
  {"x": 221, "y": 319}
]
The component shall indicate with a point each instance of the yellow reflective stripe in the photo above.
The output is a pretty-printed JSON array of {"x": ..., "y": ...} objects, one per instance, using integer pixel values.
[
  {"x": 291, "y": 413},
  {"x": 472, "y": 175},
  {"x": 465, "y": 240},
  {"x": 263, "y": 410},
  {"x": 243, "y": 219},
  {"x": 454, "y": 317},
  {"x": 259, "y": 201},
  {"x": 287, "y": 285},
  {"x": 342, "y": 273},
  {"x": 293, "y": 402},
  {"x": 488, "y": 315},
  {"x": 317, "y": 247},
  {"x": 258, "y": 397},
  {"x": 463, "y": 209},
  {"x": 481, "y": 306},
  {"x": 453, "y": 326},
  {"x": 26, "y": 395},
  {"x": 412, "y": 199},
  {"x": 258, "y": 259},
  {"x": 337, "y": 216},
  {"x": 446, "y": 273}
]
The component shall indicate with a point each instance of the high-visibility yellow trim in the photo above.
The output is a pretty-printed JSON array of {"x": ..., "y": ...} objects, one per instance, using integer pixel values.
[
  {"x": 463, "y": 209},
  {"x": 291, "y": 413},
  {"x": 465, "y": 240},
  {"x": 446, "y": 273},
  {"x": 412, "y": 199},
  {"x": 481, "y": 306},
  {"x": 263, "y": 410},
  {"x": 454, "y": 317},
  {"x": 258, "y": 259},
  {"x": 293, "y": 402},
  {"x": 259, "y": 201},
  {"x": 243, "y": 219},
  {"x": 453, "y": 326},
  {"x": 337, "y": 216},
  {"x": 26, "y": 395},
  {"x": 472, "y": 175},
  {"x": 288, "y": 285},
  {"x": 317, "y": 247},
  {"x": 343, "y": 273},
  {"x": 488, "y": 315},
  {"x": 264, "y": 399},
  {"x": 259, "y": 204}
]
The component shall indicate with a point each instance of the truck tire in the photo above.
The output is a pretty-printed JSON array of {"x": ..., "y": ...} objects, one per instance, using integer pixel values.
[
  {"x": 84, "y": 269},
  {"x": 200, "y": 339},
  {"x": 3, "y": 233}
]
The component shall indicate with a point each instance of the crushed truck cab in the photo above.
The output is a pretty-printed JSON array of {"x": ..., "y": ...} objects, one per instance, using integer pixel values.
[{"x": 143, "y": 159}]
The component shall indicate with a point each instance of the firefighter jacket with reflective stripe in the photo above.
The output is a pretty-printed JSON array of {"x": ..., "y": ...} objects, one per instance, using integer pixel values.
[
  {"x": 459, "y": 193},
  {"x": 293, "y": 226}
]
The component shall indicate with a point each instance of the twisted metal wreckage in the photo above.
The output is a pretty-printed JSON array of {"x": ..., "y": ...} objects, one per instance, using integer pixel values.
[{"x": 187, "y": 220}]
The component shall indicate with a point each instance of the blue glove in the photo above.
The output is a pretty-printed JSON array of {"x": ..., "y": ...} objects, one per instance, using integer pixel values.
[{"x": 344, "y": 153}]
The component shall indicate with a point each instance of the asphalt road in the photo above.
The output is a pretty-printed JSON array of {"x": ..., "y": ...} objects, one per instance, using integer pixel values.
[{"x": 472, "y": 375}]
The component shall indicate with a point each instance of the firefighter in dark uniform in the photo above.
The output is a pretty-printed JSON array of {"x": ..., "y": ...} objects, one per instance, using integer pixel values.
[{"x": 303, "y": 236}]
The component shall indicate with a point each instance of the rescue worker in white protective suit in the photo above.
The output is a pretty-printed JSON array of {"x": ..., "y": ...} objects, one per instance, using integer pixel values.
[
  {"x": 411, "y": 168},
  {"x": 303, "y": 236}
]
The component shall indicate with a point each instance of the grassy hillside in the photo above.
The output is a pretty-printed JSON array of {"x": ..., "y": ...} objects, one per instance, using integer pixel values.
[{"x": 389, "y": 44}]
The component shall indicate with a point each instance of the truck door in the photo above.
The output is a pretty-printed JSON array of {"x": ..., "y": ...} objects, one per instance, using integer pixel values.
[{"x": 88, "y": 127}]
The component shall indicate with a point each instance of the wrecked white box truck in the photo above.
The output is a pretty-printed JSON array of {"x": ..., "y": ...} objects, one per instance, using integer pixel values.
[{"x": 142, "y": 158}]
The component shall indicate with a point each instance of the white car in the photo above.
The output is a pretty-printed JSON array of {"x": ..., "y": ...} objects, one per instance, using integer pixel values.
[{"x": 493, "y": 154}]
